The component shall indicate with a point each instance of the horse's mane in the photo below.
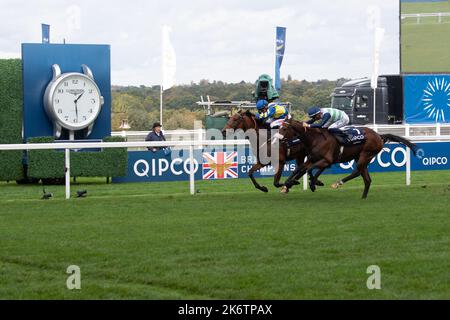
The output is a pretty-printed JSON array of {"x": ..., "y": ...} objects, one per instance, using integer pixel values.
[
  {"x": 297, "y": 127},
  {"x": 249, "y": 114}
]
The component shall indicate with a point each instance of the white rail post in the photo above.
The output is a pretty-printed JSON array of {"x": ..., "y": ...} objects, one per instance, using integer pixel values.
[
  {"x": 67, "y": 169},
  {"x": 305, "y": 178},
  {"x": 191, "y": 169},
  {"x": 305, "y": 181},
  {"x": 408, "y": 166}
]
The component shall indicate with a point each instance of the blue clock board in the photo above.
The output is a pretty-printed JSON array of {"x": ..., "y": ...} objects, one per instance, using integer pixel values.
[{"x": 37, "y": 62}]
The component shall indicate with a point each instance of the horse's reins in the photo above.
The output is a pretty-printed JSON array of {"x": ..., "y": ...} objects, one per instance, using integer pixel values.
[{"x": 256, "y": 127}]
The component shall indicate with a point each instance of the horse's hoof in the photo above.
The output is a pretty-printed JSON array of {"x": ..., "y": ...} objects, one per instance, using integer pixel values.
[
  {"x": 264, "y": 189},
  {"x": 319, "y": 183},
  {"x": 284, "y": 190},
  {"x": 337, "y": 184},
  {"x": 312, "y": 187}
]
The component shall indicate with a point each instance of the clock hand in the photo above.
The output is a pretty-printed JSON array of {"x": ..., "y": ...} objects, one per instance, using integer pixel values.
[
  {"x": 79, "y": 97},
  {"x": 76, "y": 109}
]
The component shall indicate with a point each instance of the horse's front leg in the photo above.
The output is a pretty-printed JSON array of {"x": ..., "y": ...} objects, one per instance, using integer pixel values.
[
  {"x": 277, "y": 176},
  {"x": 311, "y": 175},
  {"x": 295, "y": 175},
  {"x": 292, "y": 180},
  {"x": 313, "y": 181},
  {"x": 252, "y": 170},
  {"x": 299, "y": 172}
]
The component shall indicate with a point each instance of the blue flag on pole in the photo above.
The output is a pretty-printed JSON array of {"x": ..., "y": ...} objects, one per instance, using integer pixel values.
[
  {"x": 45, "y": 33},
  {"x": 279, "y": 54}
]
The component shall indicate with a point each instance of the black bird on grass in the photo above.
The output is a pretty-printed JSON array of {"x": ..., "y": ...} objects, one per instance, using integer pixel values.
[
  {"x": 81, "y": 193},
  {"x": 46, "y": 195}
]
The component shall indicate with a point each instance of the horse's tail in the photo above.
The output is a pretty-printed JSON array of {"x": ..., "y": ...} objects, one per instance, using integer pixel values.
[{"x": 392, "y": 137}]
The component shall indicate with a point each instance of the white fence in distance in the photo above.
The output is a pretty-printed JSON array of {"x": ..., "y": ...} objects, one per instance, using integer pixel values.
[{"x": 419, "y": 16}]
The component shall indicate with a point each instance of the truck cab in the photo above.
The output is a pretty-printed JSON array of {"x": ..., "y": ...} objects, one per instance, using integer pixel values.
[{"x": 356, "y": 98}]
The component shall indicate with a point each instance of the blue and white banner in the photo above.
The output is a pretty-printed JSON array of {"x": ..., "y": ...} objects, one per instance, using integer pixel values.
[
  {"x": 427, "y": 98},
  {"x": 147, "y": 166},
  {"x": 279, "y": 54},
  {"x": 45, "y": 33}
]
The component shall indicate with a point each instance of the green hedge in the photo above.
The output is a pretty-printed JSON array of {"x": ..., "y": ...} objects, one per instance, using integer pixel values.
[
  {"x": 111, "y": 162},
  {"x": 11, "y": 104}
]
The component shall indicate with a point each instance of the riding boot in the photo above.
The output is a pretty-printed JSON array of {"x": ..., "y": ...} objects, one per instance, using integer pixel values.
[{"x": 340, "y": 136}]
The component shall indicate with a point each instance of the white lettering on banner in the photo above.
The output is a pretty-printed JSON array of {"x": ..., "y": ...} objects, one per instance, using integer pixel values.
[
  {"x": 144, "y": 168},
  {"x": 172, "y": 167},
  {"x": 248, "y": 159},
  {"x": 153, "y": 167},
  {"x": 163, "y": 166},
  {"x": 434, "y": 160},
  {"x": 288, "y": 167},
  {"x": 394, "y": 160},
  {"x": 347, "y": 165},
  {"x": 141, "y": 167},
  {"x": 188, "y": 171},
  {"x": 381, "y": 163}
]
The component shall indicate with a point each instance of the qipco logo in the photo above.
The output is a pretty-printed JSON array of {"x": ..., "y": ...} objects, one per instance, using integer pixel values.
[
  {"x": 157, "y": 167},
  {"x": 385, "y": 158},
  {"x": 432, "y": 161}
]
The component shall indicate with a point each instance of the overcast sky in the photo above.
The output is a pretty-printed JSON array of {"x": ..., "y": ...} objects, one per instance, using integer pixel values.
[{"x": 230, "y": 40}]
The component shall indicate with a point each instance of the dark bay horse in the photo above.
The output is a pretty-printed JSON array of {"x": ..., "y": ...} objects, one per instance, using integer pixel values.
[
  {"x": 323, "y": 150},
  {"x": 247, "y": 121}
]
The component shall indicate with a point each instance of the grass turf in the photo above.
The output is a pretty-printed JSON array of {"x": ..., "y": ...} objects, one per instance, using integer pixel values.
[
  {"x": 230, "y": 241},
  {"x": 423, "y": 46}
]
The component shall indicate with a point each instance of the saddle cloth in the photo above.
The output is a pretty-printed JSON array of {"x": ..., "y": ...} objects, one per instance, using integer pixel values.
[{"x": 354, "y": 135}]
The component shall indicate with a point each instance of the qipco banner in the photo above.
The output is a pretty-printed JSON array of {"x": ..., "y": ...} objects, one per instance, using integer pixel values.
[
  {"x": 430, "y": 156},
  {"x": 147, "y": 166}
]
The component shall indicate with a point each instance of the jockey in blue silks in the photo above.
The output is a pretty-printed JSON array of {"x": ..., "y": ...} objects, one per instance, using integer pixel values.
[{"x": 271, "y": 113}]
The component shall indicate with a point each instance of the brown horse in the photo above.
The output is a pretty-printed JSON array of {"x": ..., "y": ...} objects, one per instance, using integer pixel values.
[
  {"x": 246, "y": 121},
  {"x": 323, "y": 150}
]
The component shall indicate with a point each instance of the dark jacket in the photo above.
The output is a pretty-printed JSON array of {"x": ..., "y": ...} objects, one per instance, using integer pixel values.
[
  {"x": 324, "y": 120},
  {"x": 153, "y": 136}
]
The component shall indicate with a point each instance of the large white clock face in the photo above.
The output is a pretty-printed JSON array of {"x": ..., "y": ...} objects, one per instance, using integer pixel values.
[{"x": 76, "y": 101}]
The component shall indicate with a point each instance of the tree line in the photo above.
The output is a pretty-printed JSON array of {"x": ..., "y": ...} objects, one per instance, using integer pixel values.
[{"x": 140, "y": 105}]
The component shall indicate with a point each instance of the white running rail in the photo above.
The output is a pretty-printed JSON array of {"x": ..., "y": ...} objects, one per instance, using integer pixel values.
[
  {"x": 418, "y": 16},
  {"x": 404, "y": 130},
  {"x": 67, "y": 146}
]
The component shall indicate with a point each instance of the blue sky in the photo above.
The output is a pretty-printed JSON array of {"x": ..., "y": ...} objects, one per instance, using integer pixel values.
[{"x": 216, "y": 40}]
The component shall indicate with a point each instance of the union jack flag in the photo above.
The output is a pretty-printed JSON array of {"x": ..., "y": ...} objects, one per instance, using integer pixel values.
[{"x": 220, "y": 165}]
